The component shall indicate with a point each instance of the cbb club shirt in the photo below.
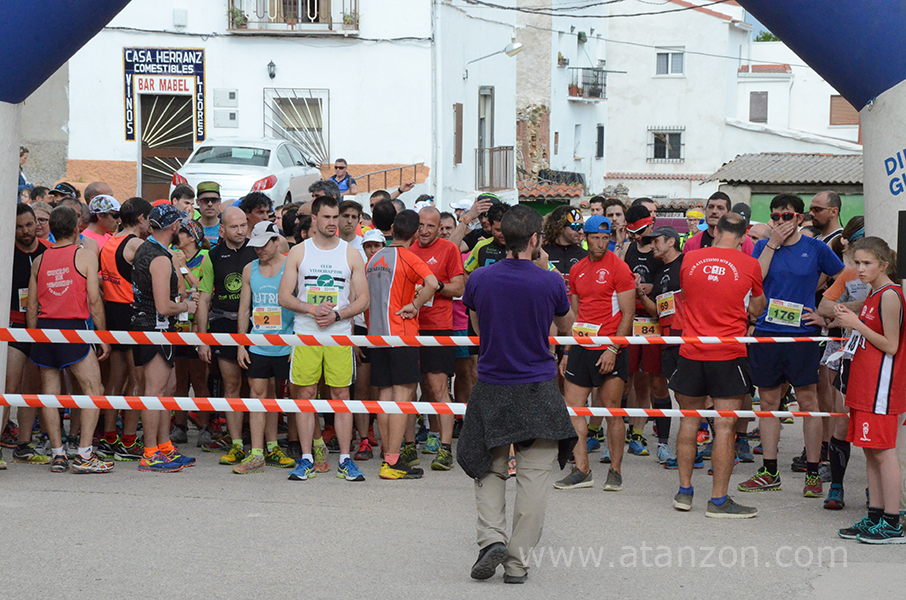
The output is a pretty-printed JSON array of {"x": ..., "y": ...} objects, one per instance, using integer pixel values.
[
  {"x": 445, "y": 261},
  {"x": 596, "y": 284},
  {"x": 715, "y": 283}
]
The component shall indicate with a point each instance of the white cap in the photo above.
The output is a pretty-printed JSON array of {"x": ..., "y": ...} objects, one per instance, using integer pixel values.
[
  {"x": 374, "y": 235},
  {"x": 263, "y": 232},
  {"x": 423, "y": 204},
  {"x": 461, "y": 205}
]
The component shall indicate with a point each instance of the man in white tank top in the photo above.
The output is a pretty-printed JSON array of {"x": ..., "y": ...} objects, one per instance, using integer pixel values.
[{"x": 324, "y": 284}]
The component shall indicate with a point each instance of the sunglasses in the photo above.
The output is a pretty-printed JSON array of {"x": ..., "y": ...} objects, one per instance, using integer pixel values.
[
  {"x": 787, "y": 216},
  {"x": 817, "y": 208},
  {"x": 208, "y": 200},
  {"x": 339, "y": 168},
  {"x": 577, "y": 226},
  {"x": 115, "y": 215}
]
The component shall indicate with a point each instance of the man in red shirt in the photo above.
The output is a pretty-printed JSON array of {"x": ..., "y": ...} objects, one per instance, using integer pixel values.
[
  {"x": 438, "y": 363},
  {"x": 715, "y": 282},
  {"x": 603, "y": 300}
]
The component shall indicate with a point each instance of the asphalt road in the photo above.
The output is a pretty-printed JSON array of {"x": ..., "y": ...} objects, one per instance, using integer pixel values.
[{"x": 206, "y": 533}]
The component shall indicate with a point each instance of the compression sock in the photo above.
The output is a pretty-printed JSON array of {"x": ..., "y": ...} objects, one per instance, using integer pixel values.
[
  {"x": 662, "y": 423},
  {"x": 771, "y": 466},
  {"x": 838, "y": 451},
  {"x": 824, "y": 452}
]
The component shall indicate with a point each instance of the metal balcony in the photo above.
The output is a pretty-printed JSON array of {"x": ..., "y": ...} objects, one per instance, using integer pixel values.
[{"x": 587, "y": 84}]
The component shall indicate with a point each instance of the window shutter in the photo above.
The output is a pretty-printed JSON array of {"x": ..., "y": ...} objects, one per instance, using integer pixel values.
[
  {"x": 457, "y": 134},
  {"x": 599, "y": 147},
  {"x": 663, "y": 63},
  {"x": 758, "y": 107},
  {"x": 842, "y": 112}
]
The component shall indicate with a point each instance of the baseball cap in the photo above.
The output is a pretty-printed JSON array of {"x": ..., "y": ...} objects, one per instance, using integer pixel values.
[
  {"x": 597, "y": 224},
  {"x": 193, "y": 229},
  {"x": 745, "y": 210},
  {"x": 461, "y": 205},
  {"x": 373, "y": 235},
  {"x": 64, "y": 188},
  {"x": 638, "y": 218},
  {"x": 665, "y": 231},
  {"x": 207, "y": 187},
  {"x": 103, "y": 204},
  {"x": 423, "y": 204},
  {"x": 165, "y": 215},
  {"x": 492, "y": 197},
  {"x": 263, "y": 232}
]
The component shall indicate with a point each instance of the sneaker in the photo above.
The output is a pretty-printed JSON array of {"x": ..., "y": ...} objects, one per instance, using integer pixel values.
[
  {"x": 883, "y": 533},
  {"x": 294, "y": 450},
  {"x": 457, "y": 428},
  {"x": 743, "y": 453},
  {"x": 409, "y": 455},
  {"x": 253, "y": 463},
  {"x": 703, "y": 437},
  {"x": 328, "y": 433},
  {"x": 128, "y": 453},
  {"x": 673, "y": 464},
  {"x": 159, "y": 463},
  {"x": 706, "y": 451},
  {"x": 365, "y": 451},
  {"x": 664, "y": 453},
  {"x": 605, "y": 456},
  {"x": 755, "y": 434},
  {"x": 10, "y": 436},
  {"x": 59, "y": 464},
  {"x": 333, "y": 445},
  {"x": 204, "y": 438},
  {"x": 824, "y": 472},
  {"x": 348, "y": 471},
  {"x": 432, "y": 445},
  {"x": 489, "y": 558},
  {"x": 834, "y": 500},
  {"x": 372, "y": 439},
  {"x": 813, "y": 487},
  {"x": 760, "y": 481},
  {"x": 614, "y": 481},
  {"x": 638, "y": 445},
  {"x": 421, "y": 436},
  {"x": 730, "y": 510},
  {"x": 575, "y": 480},
  {"x": 2, "y": 463},
  {"x": 277, "y": 458},
  {"x": 443, "y": 461},
  {"x": 601, "y": 435},
  {"x": 800, "y": 463},
  {"x": 29, "y": 455},
  {"x": 757, "y": 449},
  {"x": 861, "y": 526},
  {"x": 175, "y": 456},
  {"x": 218, "y": 444},
  {"x": 178, "y": 435},
  {"x": 593, "y": 444},
  {"x": 511, "y": 466},
  {"x": 322, "y": 465},
  {"x": 92, "y": 464},
  {"x": 234, "y": 456},
  {"x": 401, "y": 470},
  {"x": 304, "y": 470},
  {"x": 105, "y": 449},
  {"x": 756, "y": 401},
  {"x": 682, "y": 501},
  {"x": 628, "y": 435}
]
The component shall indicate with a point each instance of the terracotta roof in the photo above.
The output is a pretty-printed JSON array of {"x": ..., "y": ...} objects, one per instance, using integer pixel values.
[
  {"x": 543, "y": 191},
  {"x": 792, "y": 168},
  {"x": 784, "y": 68},
  {"x": 691, "y": 176},
  {"x": 674, "y": 204},
  {"x": 704, "y": 10}
]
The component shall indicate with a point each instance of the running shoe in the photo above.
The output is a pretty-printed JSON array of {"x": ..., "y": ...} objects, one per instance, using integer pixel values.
[
  {"x": 92, "y": 464},
  {"x": 682, "y": 501},
  {"x": 29, "y": 455},
  {"x": 443, "y": 461},
  {"x": 432, "y": 445},
  {"x": 756, "y": 401},
  {"x": 328, "y": 433},
  {"x": 638, "y": 445},
  {"x": 218, "y": 443},
  {"x": 234, "y": 456},
  {"x": 304, "y": 470},
  {"x": 457, "y": 428},
  {"x": 10, "y": 436},
  {"x": 824, "y": 472},
  {"x": 628, "y": 435},
  {"x": 129, "y": 453},
  {"x": 178, "y": 435},
  {"x": 664, "y": 453},
  {"x": 59, "y": 464},
  {"x": 277, "y": 458},
  {"x": 294, "y": 450},
  {"x": 348, "y": 471},
  {"x": 409, "y": 455},
  {"x": 575, "y": 480},
  {"x": 365, "y": 451},
  {"x": 743, "y": 453},
  {"x": 421, "y": 436},
  {"x": 800, "y": 463},
  {"x": 204, "y": 438},
  {"x": 730, "y": 510},
  {"x": 703, "y": 437},
  {"x": 755, "y": 434},
  {"x": 159, "y": 463},
  {"x": 511, "y": 466},
  {"x": 2, "y": 462},
  {"x": 401, "y": 470},
  {"x": 253, "y": 463},
  {"x": 372, "y": 439},
  {"x": 861, "y": 526},
  {"x": 813, "y": 487},
  {"x": 106, "y": 449},
  {"x": 601, "y": 435},
  {"x": 706, "y": 451},
  {"x": 605, "y": 456},
  {"x": 758, "y": 450},
  {"x": 735, "y": 462},
  {"x": 322, "y": 465},
  {"x": 175, "y": 456},
  {"x": 333, "y": 445},
  {"x": 594, "y": 444},
  {"x": 760, "y": 481},
  {"x": 834, "y": 500},
  {"x": 672, "y": 464},
  {"x": 883, "y": 533},
  {"x": 614, "y": 481}
]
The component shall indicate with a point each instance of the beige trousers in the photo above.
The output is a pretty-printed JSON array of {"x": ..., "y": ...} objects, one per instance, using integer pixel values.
[{"x": 536, "y": 468}]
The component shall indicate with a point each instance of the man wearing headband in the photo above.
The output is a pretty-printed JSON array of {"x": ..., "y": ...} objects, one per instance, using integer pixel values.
[
  {"x": 718, "y": 205},
  {"x": 693, "y": 218},
  {"x": 563, "y": 239}
]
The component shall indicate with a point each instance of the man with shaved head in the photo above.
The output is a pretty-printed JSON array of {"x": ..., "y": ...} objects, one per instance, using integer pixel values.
[
  {"x": 436, "y": 318},
  {"x": 218, "y": 305},
  {"x": 758, "y": 232},
  {"x": 825, "y": 212}
]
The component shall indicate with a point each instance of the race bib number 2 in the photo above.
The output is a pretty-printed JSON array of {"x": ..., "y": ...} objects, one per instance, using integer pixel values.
[
  {"x": 784, "y": 313},
  {"x": 319, "y": 295},
  {"x": 267, "y": 318}
]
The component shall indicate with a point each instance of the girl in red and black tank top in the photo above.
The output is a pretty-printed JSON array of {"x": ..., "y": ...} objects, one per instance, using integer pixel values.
[{"x": 62, "y": 290}]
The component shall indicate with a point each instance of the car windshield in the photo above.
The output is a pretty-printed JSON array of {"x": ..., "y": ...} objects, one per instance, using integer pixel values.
[{"x": 232, "y": 155}]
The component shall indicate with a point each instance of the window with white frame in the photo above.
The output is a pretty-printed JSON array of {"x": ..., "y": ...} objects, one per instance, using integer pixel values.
[
  {"x": 666, "y": 144},
  {"x": 670, "y": 61}
]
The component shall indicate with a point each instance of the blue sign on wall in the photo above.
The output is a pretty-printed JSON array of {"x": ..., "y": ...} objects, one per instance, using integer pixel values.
[{"x": 164, "y": 71}]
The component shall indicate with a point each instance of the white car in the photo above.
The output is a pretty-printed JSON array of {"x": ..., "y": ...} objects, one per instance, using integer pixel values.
[{"x": 240, "y": 165}]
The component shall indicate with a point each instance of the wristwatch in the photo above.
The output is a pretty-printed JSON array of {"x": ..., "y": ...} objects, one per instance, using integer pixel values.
[
  {"x": 338, "y": 315},
  {"x": 183, "y": 270},
  {"x": 440, "y": 286}
]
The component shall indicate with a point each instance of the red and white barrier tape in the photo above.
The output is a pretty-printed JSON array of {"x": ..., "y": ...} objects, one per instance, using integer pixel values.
[
  {"x": 347, "y": 406},
  {"x": 69, "y": 336}
]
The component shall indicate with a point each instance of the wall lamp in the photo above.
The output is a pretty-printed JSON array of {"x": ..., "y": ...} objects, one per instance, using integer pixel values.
[{"x": 511, "y": 50}]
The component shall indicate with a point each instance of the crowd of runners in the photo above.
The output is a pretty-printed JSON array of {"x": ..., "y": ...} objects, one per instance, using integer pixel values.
[{"x": 196, "y": 262}]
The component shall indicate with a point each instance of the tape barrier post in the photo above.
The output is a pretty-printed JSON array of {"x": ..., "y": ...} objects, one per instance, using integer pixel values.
[
  {"x": 61, "y": 336},
  {"x": 348, "y": 406}
]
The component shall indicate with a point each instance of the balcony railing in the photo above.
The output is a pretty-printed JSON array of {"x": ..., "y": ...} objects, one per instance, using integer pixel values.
[
  {"x": 495, "y": 168},
  {"x": 293, "y": 16},
  {"x": 587, "y": 83}
]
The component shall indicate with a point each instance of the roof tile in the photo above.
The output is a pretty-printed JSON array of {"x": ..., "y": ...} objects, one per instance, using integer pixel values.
[
  {"x": 791, "y": 168},
  {"x": 543, "y": 191}
]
